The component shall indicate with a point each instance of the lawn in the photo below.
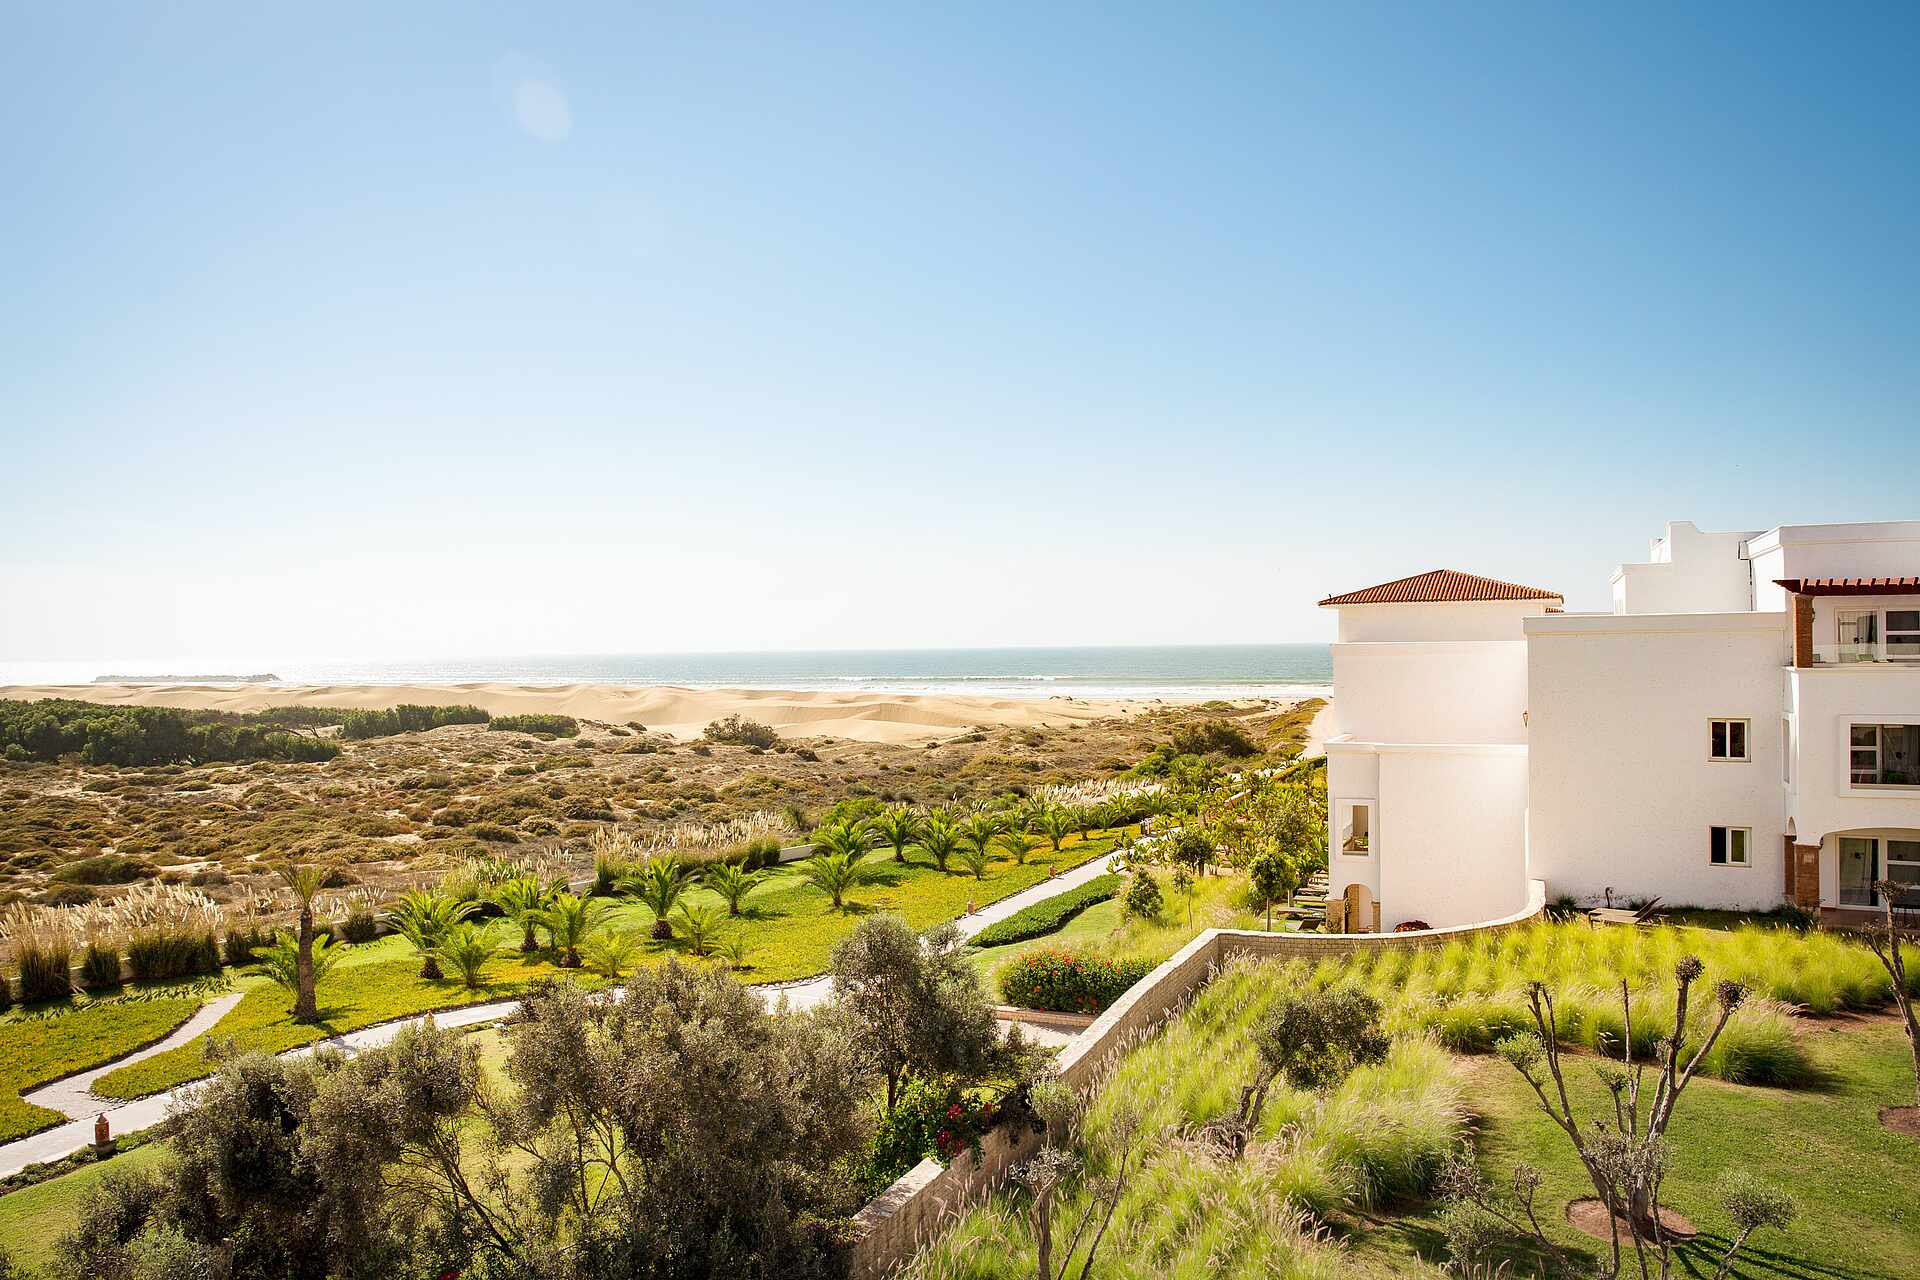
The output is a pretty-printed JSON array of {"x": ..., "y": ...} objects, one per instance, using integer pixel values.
[
  {"x": 376, "y": 982},
  {"x": 42, "y": 1045},
  {"x": 33, "y": 1219},
  {"x": 1853, "y": 1180},
  {"x": 1219, "y": 902},
  {"x": 791, "y": 927}
]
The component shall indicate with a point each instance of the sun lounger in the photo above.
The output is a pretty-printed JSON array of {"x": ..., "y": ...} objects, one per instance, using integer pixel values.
[{"x": 1617, "y": 915}]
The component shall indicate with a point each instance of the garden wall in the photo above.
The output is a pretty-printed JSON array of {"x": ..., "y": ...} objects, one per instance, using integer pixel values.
[{"x": 923, "y": 1203}]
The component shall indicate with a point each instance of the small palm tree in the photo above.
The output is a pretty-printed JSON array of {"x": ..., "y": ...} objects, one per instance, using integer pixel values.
[
  {"x": 700, "y": 926},
  {"x": 306, "y": 883},
  {"x": 732, "y": 883},
  {"x": 734, "y": 949},
  {"x": 1086, "y": 820},
  {"x": 975, "y": 859},
  {"x": 979, "y": 830},
  {"x": 899, "y": 827},
  {"x": 569, "y": 922},
  {"x": 521, "y": 900},
  {"x": 468, "y": 947},
  {"x": 1056, "y": 824},
  {"x": 284, "y": 963},
  {"x": 941, "y": 840},
  {"x": 834, "y": 874},
  {"x": 1111, "y": 814},
  {"x": 659, "y": 885},
  {"x": 854, "y": 839},
  {"x": 612, "y": 951},
  {"x": 424, "y": 919},
  {"x": 1018, "y": 845}
]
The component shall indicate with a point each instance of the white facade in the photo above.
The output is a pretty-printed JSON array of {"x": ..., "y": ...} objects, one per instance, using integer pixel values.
[{"x": 1719, "y": 739}]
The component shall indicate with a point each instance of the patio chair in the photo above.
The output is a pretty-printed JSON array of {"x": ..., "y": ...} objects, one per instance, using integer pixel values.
[{"x": 1618, "y": 915}]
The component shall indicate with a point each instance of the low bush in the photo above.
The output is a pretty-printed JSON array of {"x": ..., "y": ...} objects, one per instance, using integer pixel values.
[
  {"x": 158, "y": 954},
  {"x": 1045, "y": 917},
  {"x": 104, "y": 868},
  {"x": 1144, "y": 900},
  {"x": 558, "y": 726},
  {"x": 1067, "y": 981},
  {"x": 406, "y": 718},
  {"x": 736, "y": 730},
  {"x": 100, "y": 966},
  {"x": 46, "y": 970},
  {"x": 359, "y": 926},
  {"x": 238, "y": 946},
  {"x": 1213, "y": 737}
]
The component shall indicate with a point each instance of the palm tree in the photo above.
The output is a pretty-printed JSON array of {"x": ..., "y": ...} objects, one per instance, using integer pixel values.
[
  {"x": 834, "y": 874},
  {"x": 1056, "y": 824},
  {"x": 975, "y": 859},
  {"x": 899, "y": 827},
  {"x": 854, "y": 839},
  {"x": 1111, "y": 813},
  {"x": 424, "y": 919},
  {"x": 612, "y": 951},
  {"x": 700, "y": 926},
  {"x": 659, "y": 884},
  {"x": 306, "y": 882},
  {"x": 1018, "y": 845},
  {"x": 940, "y": 841},
  {"x": 521, "y": 900},
  {"x": 1086, "y": 819},
  {"x": 978, "y": 832},
  {"x": 298, "y": 969},
  {"x": 732, "y": 883},
  {"x": 468, "y": 947},
  {"x": 569, "y": 922}
]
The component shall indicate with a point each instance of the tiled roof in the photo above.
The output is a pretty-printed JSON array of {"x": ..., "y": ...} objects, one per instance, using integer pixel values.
[
  {"x": 1849, "y": 586},
  {"x": 1439, "y": 586}
]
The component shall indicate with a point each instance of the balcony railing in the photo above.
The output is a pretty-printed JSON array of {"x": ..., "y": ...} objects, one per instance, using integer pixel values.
[{"x": 1896, "y": 652}]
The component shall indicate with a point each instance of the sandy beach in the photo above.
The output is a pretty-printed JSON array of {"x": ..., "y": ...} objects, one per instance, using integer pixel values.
[{"x": 683, "y": 713}]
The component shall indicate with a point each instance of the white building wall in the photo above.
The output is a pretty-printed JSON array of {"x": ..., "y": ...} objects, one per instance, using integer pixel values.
[
  {"x": 1621, "y": 788},
  {"x": 1432, "y": 692},
  {"x": 1453, "y": 834},
  {"x": 1353, "y": 776},
  {"x": 1691, "y": 571},
  {"x": 1883, "y": 549},
  {"x": 1452, "y": 620},
  {"x": 1825, "y": 703}
]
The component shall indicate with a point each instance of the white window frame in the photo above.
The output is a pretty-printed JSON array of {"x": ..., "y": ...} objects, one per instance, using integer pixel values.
[
  {"x": 1904, "y": 635},
  {"x": 1878, "y": 724},
  {"x": 1343, "y": 823},
  {"x": 1746, "y": 846},
  {"x": 1746, "y": 739}
]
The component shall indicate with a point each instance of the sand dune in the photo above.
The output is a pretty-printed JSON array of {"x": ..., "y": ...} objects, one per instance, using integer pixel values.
[{"x": 865, "y": 716}]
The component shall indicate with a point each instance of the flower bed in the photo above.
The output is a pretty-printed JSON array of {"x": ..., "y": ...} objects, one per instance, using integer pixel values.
[{"x": 1068, "y": 981}]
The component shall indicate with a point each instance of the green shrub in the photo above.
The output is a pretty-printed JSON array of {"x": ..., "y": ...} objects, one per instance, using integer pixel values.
[
  {"x": 408, "y": 717},
  {"x": 99, "y": 966},
  {"x": 54, "y": 727},
  {"x": 158, "y": 954},
  {"x": 359, "y": 926},
  {"x": 104, "y": 868},
  {"x": 1213, "y": 737},
  {"x": 239, "y": 946},
  {"x": 45, "y": 970},
  {"x": 737, "y": 730},
  {"x": 558, "y": 726},
  {"x": 1045, "y": 917},
  {"x": 1144, "y": 901},
  {"x": 1067, "y": 981}
]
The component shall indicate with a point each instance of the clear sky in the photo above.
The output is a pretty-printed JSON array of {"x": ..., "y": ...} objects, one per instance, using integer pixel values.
[{"x": 358, "y": 331}]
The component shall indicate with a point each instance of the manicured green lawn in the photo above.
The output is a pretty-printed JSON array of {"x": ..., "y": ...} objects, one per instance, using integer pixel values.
[
  {"x": 33, "y": 1220},
  {"x": 1855, "y": 1182},
  {"x": 377, "y": 982},
  {"x": 38, "y": 1049},
  {"x": 1103, "y": 929},
  {"x": 791, "y": 927}
]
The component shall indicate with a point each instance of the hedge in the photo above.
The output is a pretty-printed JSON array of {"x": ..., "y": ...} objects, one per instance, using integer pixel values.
[
  {"x": 1067, "y": 981},
  {"x": 1044, "y": 917}
]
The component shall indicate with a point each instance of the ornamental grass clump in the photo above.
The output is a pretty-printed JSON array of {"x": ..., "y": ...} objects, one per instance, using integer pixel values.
[{"x": 100, "y": 966}]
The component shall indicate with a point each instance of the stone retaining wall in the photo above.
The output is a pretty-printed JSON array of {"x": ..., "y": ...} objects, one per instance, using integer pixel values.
[{"x": 924, "y": 1202}]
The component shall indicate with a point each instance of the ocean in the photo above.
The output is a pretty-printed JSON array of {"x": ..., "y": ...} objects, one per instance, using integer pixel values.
[{"x": 1171, "y": 672}]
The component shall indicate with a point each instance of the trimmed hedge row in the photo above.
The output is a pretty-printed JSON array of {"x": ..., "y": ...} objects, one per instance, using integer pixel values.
[
  {"x": 1045, "y": 917},
  {"x": 1067, "y": 981}
]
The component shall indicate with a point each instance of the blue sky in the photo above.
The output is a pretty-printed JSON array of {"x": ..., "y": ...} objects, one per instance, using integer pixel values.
[{"x": 416, "y": 330}]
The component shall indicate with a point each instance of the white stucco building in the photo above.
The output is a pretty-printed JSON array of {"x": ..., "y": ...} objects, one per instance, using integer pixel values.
[{"x": 1743, "y": 730}]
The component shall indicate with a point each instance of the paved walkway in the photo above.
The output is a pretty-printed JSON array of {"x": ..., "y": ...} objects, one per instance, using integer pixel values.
[{"x": 72, "y": 1097}]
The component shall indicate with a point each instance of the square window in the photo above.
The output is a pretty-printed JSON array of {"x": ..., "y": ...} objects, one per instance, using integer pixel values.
[
  {"x": 1728, "y": 846},
  {"x": 1727, "y": 739}
]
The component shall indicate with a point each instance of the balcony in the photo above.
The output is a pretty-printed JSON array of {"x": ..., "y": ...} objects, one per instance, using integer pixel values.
[{"x": 1893, "y": 652}]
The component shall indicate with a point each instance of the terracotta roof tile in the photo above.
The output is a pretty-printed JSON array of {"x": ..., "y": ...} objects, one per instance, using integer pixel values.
[{"x": 1441, "y": 586}]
